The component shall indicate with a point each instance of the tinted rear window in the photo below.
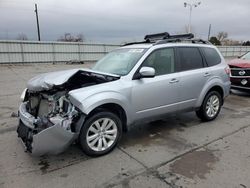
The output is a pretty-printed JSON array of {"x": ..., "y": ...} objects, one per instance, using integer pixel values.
[
  {"x": 212, "y": 56},
  {"x": 190, "y": 58}
]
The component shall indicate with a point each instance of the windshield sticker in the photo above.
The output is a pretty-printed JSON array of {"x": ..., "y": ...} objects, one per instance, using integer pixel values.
[{"x": 136, "y": 51}]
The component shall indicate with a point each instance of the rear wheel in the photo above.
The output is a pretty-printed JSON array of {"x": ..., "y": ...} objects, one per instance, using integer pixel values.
[
  {"x": 100, "y": 133},
  {"x": 210, "y": 107}
]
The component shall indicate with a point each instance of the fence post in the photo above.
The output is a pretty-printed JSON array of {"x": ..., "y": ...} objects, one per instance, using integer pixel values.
[
  {"x": 53, "y": 53},
  {"x": 79, "y": 54},
  {"x": 105, "y": 49},
  {"x": 22, "y": 53}
]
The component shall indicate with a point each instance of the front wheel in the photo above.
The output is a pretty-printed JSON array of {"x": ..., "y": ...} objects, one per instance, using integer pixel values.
[
  {"x": 100, "y": 133},
  {"x": 210, "y": 107}
]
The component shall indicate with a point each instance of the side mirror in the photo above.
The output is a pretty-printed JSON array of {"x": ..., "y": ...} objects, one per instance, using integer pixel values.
[{"x": 147, "y": 72}]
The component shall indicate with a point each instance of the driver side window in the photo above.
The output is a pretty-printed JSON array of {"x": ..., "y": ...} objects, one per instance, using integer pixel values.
[{"x": 162, "y": 60}]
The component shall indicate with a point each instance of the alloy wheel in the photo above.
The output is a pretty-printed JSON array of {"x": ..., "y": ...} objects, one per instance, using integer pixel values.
[
  {"x": 101, "y": 134},
  {"x": 212, "y": 106}
]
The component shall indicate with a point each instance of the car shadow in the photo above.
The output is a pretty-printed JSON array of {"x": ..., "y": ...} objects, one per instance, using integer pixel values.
[{"x": 161, "y": 132}]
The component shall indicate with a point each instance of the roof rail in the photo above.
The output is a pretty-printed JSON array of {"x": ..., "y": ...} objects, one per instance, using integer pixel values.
[{"x": 162, "y": 38}]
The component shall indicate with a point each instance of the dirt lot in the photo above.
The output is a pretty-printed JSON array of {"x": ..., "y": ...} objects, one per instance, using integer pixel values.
[{"x": 179, "y": 151}]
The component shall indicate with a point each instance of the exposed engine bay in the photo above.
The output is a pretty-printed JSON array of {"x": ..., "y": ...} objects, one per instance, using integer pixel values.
[{"x": 51, "y": 110}]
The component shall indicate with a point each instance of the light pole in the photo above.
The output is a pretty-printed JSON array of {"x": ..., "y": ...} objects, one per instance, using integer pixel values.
[{"x": 191, "y": 6}]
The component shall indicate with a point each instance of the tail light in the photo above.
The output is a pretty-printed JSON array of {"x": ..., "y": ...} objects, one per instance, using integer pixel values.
[{"x": 227, "y": 70}]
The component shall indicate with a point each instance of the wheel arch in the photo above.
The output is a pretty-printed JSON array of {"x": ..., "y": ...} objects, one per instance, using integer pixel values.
[
  {"x": 213, "y": 87},
  {"x": 114, "y": 108},
  {"x": 218, "y": 89}
]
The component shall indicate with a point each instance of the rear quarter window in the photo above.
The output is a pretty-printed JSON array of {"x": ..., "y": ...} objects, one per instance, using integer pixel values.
[{"x": 212, "y": 57}]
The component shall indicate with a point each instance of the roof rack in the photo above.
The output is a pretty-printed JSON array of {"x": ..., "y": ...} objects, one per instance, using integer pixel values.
[
  {"x": 157, "y": 36},
  {"x": 194, "y": 41},
  {"x": 131, "y": 43},
  {"x": 162, "y": 38}
]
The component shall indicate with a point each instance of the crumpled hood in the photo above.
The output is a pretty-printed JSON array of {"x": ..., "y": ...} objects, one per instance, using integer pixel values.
[{"x": 49, "y": 80}]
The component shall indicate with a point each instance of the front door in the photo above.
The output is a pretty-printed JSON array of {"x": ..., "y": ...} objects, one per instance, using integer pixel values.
[{"x": 160, "y": 94}]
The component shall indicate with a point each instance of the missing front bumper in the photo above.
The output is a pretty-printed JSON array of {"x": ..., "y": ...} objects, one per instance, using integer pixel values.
[{"x": 52, "y": 140}]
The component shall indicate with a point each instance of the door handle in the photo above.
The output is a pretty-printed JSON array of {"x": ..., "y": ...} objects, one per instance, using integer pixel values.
[
  {"x": 174, "y": 80},
  {"x": 207, "y": 74}
]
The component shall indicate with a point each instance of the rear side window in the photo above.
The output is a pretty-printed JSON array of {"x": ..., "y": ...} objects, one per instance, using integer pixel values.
[
  {"x": 212, "y": 56},
  {"x": 190, "y": 58}
]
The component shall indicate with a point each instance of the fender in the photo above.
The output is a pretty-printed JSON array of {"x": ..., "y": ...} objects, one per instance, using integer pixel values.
[{"x": 86, "y": 105}]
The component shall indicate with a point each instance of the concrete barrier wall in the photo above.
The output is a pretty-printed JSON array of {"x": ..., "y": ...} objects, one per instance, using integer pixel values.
[
  {"x": 233, "y": 51},
  {"x": 43, "y": 52},
  {"x": 31, "y": 52}
]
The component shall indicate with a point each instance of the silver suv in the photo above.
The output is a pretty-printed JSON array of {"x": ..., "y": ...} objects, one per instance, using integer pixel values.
[{"x": 138, "y": 82}]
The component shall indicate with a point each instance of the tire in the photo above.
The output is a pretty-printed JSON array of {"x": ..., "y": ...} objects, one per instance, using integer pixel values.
[
  {"x": 96, "y": 141},
  {"x": 212, "y": 101}
]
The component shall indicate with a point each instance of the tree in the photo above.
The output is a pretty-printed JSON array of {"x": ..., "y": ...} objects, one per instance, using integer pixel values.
[
  {"x": 221, "y": 36},
  {"x": 231, "y": 42},
  {"x": 22, "y": 36},
  {"x": 68, "y": 37},
  {"x": 214, "y": 41},
  {"x": 80, "y": 38},
  {"x": 247, "y": 43}
]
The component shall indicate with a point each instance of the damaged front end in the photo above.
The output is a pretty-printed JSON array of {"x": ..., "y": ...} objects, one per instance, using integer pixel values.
[{"x": 48, "y": 121}]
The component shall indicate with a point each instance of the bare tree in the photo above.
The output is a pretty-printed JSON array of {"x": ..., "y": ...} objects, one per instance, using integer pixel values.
[
  {"x": 22, "y": 36},
  {"x": 80, "y": 38},
  {"x": 68, "y": 37},
  {"x": 231, "y": 42},
  {"x": 221, "y": 36}
]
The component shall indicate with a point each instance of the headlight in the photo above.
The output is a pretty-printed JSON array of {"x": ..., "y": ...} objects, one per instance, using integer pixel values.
[{"x": 23, "y": 95}]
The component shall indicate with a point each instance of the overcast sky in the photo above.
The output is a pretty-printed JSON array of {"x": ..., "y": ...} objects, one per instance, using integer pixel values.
[{"x": 116, "y": 21}]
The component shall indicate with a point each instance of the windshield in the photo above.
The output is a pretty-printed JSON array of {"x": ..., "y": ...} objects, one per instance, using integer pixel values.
[
  {"x": 120, "y": 61},
  {"x": 246, "y": 56}
]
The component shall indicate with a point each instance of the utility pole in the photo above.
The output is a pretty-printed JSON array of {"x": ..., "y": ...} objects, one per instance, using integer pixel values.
[
  {"x": 190, "y": 17},
  {"x": 191, "y": 6},
  {"x": 37, "y": 23},
  {"x": 209, "y": 31}
]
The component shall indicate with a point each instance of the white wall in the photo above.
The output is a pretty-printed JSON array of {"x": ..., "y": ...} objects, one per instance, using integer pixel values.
[
  {"x": 33, "y": 52},
  {"x": 30, "y": 52}
]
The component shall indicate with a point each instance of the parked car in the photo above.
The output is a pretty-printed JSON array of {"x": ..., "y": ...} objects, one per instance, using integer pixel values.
[
  {"x": 240, "y": 72},
  {"x": 136, "y": 83}
]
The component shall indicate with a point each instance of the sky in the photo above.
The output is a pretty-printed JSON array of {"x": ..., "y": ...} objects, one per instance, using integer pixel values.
[{"x": 118, "y": 21}]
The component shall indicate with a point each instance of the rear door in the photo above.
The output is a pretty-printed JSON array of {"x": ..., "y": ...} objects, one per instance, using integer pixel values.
[{"x": 194, "y": 74}]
